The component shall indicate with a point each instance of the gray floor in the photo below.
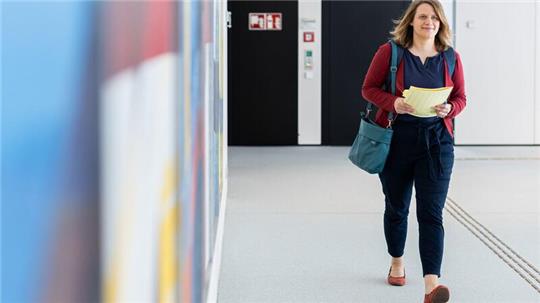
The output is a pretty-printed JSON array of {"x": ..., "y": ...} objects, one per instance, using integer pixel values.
[{"x": 304, "y": 225}]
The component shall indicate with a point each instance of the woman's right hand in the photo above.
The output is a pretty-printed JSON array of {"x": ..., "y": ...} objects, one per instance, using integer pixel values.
[{"x": 402, "y": 107}]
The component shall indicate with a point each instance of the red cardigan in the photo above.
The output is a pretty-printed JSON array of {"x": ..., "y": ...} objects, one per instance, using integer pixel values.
[{"x": 378, "y": 73}]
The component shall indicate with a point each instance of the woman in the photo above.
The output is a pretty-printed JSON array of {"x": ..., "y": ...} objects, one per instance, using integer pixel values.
[{"x": 421, "y": 151}]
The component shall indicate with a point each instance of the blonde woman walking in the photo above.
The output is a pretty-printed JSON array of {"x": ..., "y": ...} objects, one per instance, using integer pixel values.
[{"x": 421, "y": 151}]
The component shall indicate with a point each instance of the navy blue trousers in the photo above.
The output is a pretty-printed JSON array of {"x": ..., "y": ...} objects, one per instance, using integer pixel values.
[{"x": 421, "y": 154}]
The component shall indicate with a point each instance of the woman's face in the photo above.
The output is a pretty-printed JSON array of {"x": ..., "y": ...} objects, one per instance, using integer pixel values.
[{"x": 425, "y": 23}]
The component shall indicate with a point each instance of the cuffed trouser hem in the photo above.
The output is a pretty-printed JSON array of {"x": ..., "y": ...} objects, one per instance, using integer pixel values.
[
  {"x": 395, "y": 255},
  {"x": 431, "y": 273}
]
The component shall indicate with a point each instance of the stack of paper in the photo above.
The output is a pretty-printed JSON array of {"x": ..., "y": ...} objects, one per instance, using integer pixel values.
[{"x": 423, "y": 99}]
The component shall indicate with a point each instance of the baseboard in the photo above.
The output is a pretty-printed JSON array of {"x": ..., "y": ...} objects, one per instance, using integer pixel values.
[{"x": 215, "y": 270}]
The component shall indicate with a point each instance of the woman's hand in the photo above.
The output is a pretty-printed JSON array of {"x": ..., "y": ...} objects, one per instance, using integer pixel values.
[
  {"x": 402, "y": 107},
  {"x": 442, "y": 110}
]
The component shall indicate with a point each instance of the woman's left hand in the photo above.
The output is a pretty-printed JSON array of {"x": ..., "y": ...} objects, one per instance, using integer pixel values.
[{"x": 442, "y": 110}]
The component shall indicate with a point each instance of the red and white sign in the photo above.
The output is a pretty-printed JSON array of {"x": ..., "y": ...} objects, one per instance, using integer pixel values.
[
  {"x": 273, "y": 21},
  {"x": 265, "y": 21},
  {"x": 257, "y": 21},
  {"x": 309, "y": 37}
]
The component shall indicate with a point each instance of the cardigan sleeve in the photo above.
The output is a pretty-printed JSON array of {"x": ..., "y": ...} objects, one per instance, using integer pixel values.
[
  {"x": 376, "y": 77},
  {"x": 457, "y": 97}
]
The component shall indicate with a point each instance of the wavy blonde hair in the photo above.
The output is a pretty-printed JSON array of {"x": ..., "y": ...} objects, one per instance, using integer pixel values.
[{"x": 403, "y": 31}]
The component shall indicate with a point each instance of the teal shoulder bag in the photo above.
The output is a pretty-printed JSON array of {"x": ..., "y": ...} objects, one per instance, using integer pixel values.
[{"x": 372, "y": 144}]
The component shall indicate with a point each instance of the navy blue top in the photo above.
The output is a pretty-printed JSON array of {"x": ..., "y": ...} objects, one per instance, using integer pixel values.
[{"x": 427, "y": 75}]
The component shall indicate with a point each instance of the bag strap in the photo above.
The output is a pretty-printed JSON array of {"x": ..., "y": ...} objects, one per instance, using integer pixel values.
[
  {"x": 397, "y": 54},
  {"x": 450, "y": 57}
]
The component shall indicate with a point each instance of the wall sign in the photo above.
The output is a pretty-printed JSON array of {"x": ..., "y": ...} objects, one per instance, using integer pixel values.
[
  {"x": 309, "y": 37},
  {"x": 308, "y": 59},
  {"x": 265, "y": 21}
]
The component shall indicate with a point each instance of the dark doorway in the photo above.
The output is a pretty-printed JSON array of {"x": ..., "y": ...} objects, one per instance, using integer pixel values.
[
  {"x": 263, "y": 76},
  {"x": 352, "y": 32}
]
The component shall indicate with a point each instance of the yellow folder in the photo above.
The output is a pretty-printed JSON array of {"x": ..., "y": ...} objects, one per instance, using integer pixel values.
[{"x": 423, "y": 99}]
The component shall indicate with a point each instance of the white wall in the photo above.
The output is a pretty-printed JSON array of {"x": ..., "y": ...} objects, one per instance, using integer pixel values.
[
  {"x": 309, "y": 80},
  {"x": 537, "y": 77},
  {"x": 498, "y": 44},
  {"x": 448, "y": 6}
]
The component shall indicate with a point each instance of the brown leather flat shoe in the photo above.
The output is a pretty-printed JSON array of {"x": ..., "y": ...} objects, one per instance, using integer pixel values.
[
  {"x": 396, "y": 281},
  {"x": 439, "y": 294}
]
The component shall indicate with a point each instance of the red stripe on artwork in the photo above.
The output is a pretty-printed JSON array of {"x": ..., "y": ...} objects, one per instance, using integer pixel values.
[
  {"x": 206, "y": 22},
  {"x": 158, "y": 30},
  {"x": 136, "y": 31}
]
